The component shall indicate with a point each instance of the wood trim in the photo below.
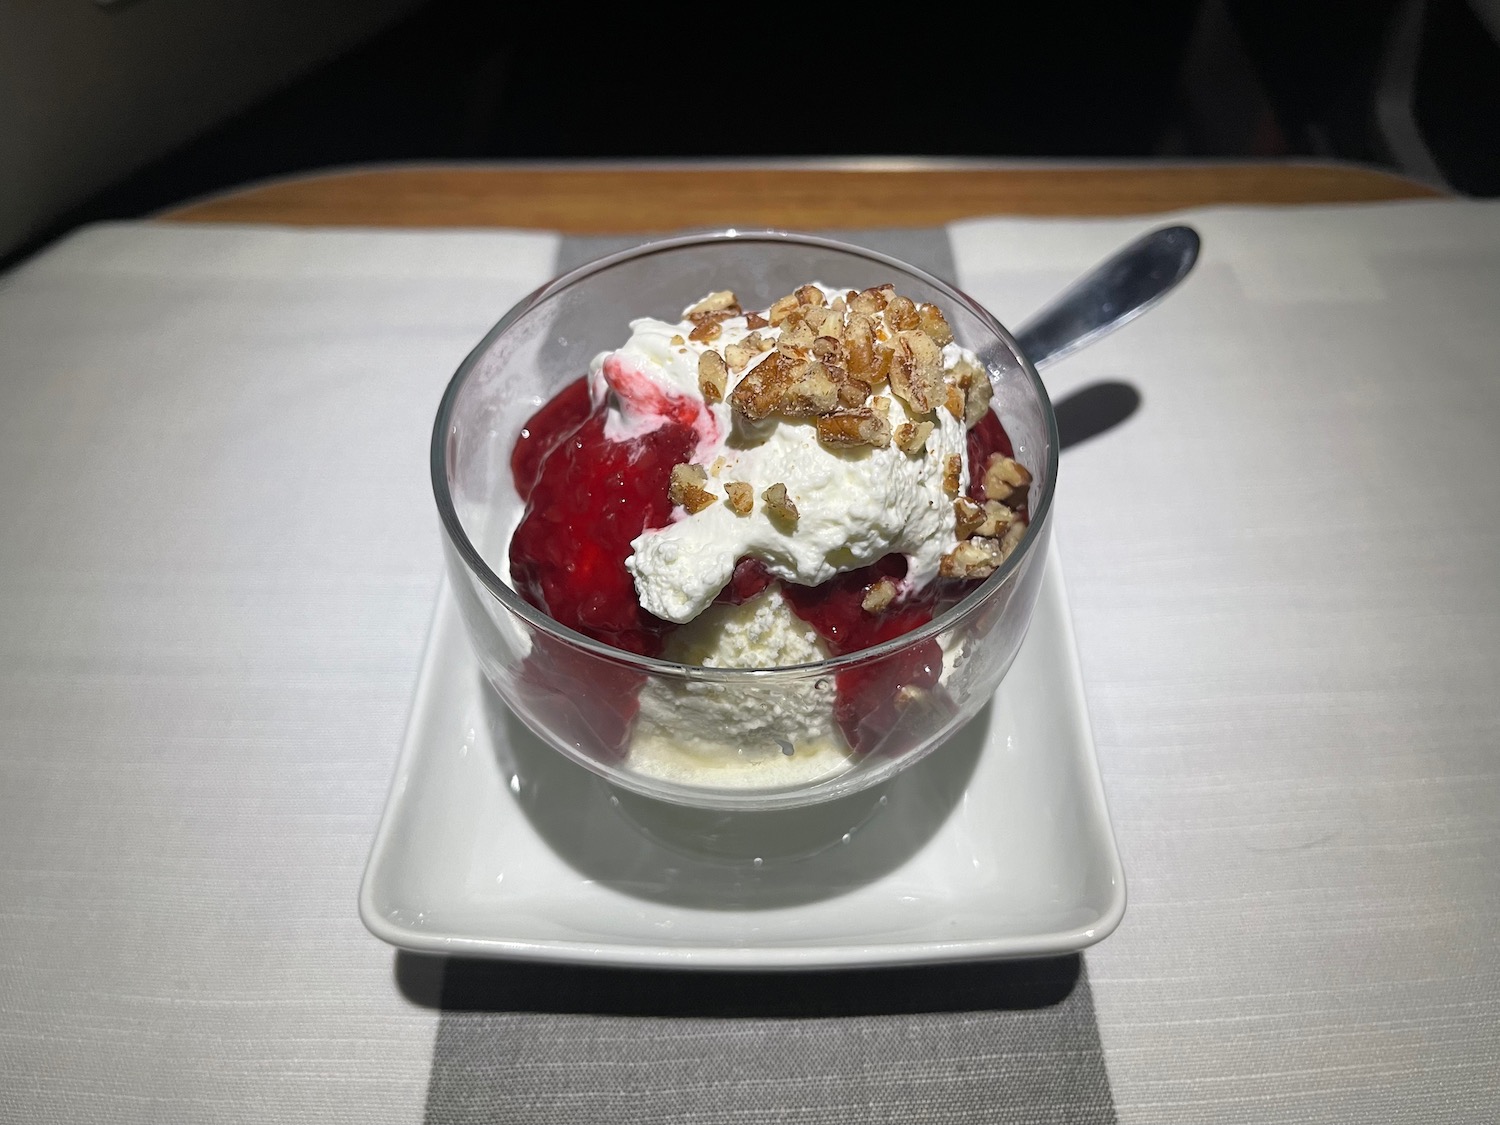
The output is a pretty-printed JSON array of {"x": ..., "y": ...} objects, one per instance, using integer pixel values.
[{"x": 615, "y": 199}]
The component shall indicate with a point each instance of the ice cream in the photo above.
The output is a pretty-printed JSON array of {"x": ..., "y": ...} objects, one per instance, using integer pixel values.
[{"x": 758, "y": 489}]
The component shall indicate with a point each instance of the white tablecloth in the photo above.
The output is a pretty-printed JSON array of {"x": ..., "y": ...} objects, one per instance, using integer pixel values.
[{"x": 218, "y": 557}]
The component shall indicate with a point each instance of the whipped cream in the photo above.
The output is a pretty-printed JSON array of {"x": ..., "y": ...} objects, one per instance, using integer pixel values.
[{"x": 855, "y": 504}]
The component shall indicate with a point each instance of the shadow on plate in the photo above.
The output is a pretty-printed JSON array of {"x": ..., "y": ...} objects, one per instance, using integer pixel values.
[
  {"x": 1091, "y": 410},
  {"x": 467, "y": 985},
  {"x": 716, "y": 860}
]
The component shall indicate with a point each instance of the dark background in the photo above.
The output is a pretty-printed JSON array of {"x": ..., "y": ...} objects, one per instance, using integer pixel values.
[{"x": 1410, "y": 85}]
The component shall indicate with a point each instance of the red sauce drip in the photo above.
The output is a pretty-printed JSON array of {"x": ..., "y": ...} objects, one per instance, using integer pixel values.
[{"x": 557, "y": 418}]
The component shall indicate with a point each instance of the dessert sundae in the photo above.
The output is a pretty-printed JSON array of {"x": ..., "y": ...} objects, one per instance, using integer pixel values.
[{"x": 759, "y": 489}]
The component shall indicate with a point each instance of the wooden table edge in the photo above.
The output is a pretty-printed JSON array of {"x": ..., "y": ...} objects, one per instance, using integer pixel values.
[{"x": 600, "y": 197}]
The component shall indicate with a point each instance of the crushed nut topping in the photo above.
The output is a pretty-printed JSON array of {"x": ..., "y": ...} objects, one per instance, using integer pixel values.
[
  {"x": 972, "y": 558},
  {"x": 782, "y": 309},
  {"x": 933, "y": 323},
  {"x": 911, "y": 437},
  {"x": 975, "y": 384},
  {"x": 779, "y": 504},
  {"x": 916, "y": 371},
  {"x": 968, "y": 517},
  {"x": 1004, "y": 477},
  {"x": 707, "y": 329},
  {"x": 677, "y": 341},
  {"x": 713, "y": 376},
  {"x": 812, "y": 392},
  {"x": 720, "y": 301},
  {"x": 997, "y": 520},
  {"x": 901, "y": 314},
  {"x": 755, "y": 320},
  {"x": 686, "y": 488},
  {"x": 739, "y": 496},
  {"x": 854, "y": 427},
  {"x": 954, "y": 402},
  {"x": 796, "y": 334},
  {"x": 953, "y": 467},
  {"x": 872, "y": 300},
  {"x": 878, "y": 596},
  {"x": 783, "y": 384},
  {"x": 1012, "y": 538},
  {"x": 737, "y": 356}
]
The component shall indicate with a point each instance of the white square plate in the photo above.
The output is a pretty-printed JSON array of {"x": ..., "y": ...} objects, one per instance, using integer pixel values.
[{"x": 998, "y": 844}]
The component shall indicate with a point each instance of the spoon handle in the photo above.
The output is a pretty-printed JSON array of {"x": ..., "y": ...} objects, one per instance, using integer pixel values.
[{"x": 1115, "y": 292}]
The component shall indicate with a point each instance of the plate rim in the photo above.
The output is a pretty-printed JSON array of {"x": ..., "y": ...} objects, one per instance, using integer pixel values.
[{"x": 752, "y": 957}]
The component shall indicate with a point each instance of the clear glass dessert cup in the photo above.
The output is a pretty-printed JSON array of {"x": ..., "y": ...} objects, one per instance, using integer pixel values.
[{"x": 578, "y": 694}]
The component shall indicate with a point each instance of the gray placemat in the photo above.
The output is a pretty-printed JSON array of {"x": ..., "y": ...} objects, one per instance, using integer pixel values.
[{"x": 1004, "y": 1042}]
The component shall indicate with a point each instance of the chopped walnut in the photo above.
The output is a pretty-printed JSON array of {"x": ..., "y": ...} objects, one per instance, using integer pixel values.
[
  {"x": 758, "y": 343},
  {"x": 779, "y": 505},
  {"x": 953, "y": 467},
  {"x": 901, "y": 314},
  {"x": 810, "y": 295},
  {"x": 968, "y": 517},
  {"x": 854, "y": 427},
  {"x": 997, "y": 520},
  {"x": 1012, "y": 538},
  {"x": 737, "y": 356},
  {"x": 686, "y": 488},
  {"x": 830, "y": 349},
  {"x": 954, "y": 402},
  {"x": 755, "y": 320},
  {"x": 811, "y": 392},
  {"x": 713, "y": 376},
  {"x": 881, "y": 405},
  {"x": 872, "y": 300},
  {"x": 852, "y": 391},
  {"x": 916, "y": 371},
  {"x": 911, "y": 437},
  {"x": 781, "y": 309},
  {"x": 935, "y": 325},
  {"x": 859, "y": 345},
  {"x": 1003, "y": 477},
  {"x": 782, "y": 384},
  {"x": 707, "y": 328},
  {"x": 758, "y": 395},
  {"x": 822, "y": 321},
  {"x": 722, "y": 301},
  {"x": 796, "y": 334},
  {"x": 677, "y": 341},
  {"x": 878, "y": 596},
  {"x": 739, "y": 496},
  {"x": 972, "y": 558},
  {"x": 975, "y": 384}
]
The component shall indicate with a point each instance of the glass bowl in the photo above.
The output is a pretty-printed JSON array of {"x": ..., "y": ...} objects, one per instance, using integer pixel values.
[{"x": 583, "y": 697}]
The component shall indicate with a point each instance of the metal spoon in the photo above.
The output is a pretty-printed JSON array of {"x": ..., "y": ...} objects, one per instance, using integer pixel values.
[{"x": 1114, "y": 293}]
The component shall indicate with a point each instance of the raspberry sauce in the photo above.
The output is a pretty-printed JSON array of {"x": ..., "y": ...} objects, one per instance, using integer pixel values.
[{"x": 588, "y": 497}]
